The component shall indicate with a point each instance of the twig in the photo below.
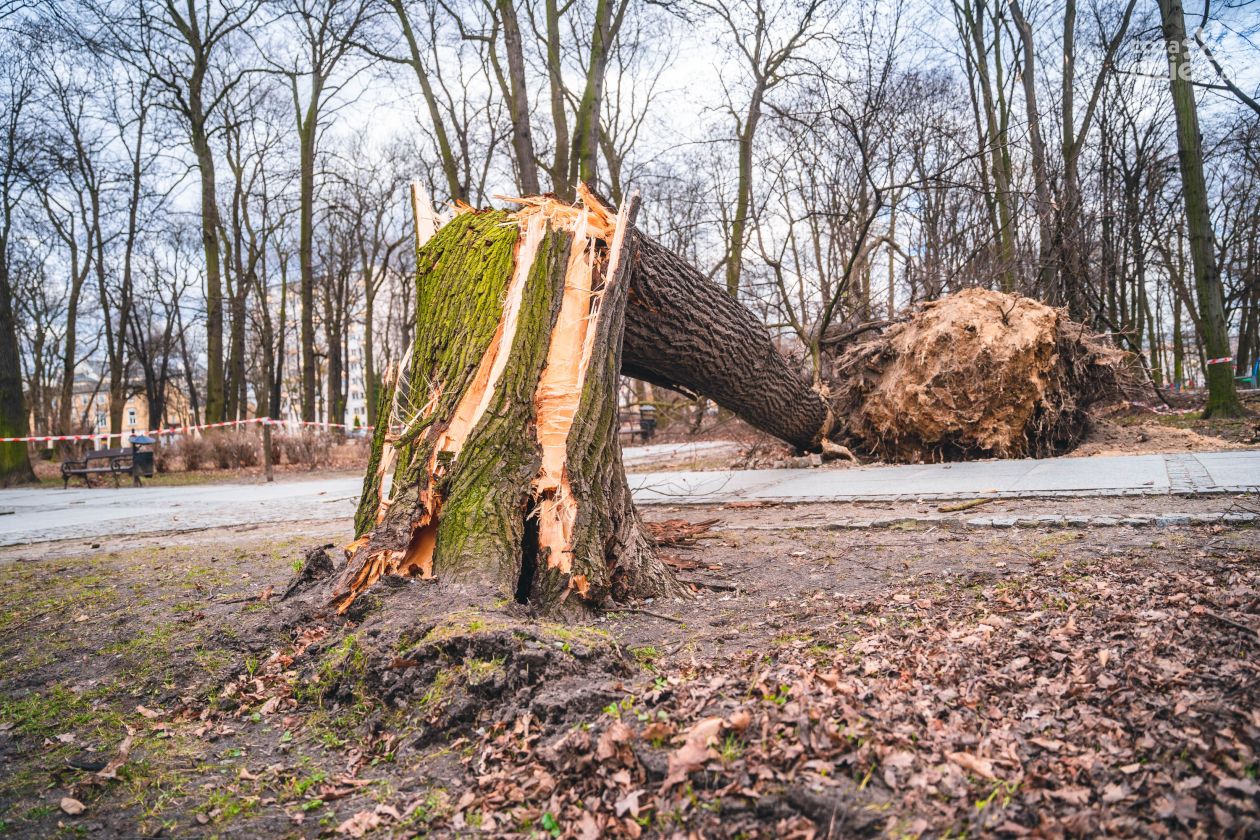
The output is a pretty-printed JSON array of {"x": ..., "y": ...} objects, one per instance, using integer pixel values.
[
  {"x": 1255, "y": 634},
  {"x": 642, "y": 611},
  {"x": 965, "y": 505},
  {"x": 720, "y": 587}
]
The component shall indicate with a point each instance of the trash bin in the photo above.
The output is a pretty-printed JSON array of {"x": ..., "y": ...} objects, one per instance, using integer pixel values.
[
  {"x": 141, "y": 457},
  {"x": 647, "y": 422}
]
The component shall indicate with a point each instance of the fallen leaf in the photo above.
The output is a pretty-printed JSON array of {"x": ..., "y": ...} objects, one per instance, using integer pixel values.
[
  {"x": 110, "y": 770},
  {"x": 72, "y": 806},
  {"x": 658, "y": 731},
  {"x": 611, "y": 739},
  {"x": 389, "y": 811},
  {"x": 360, "y": 824},
  {"x": 739, "y": 720},
  {"x": 694, "y": 751},
  {"x": 980, "y": 766},
  {"x": 629, "y": 804}
]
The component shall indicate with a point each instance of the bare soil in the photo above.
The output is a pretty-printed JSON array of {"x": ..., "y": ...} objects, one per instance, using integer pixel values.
[{"x": 907, "y": 680}]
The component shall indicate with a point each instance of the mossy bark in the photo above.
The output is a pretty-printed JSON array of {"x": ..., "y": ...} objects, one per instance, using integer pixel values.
[
  {"x": 15, "y": 461},
  {"x": 470, "y": 504}
]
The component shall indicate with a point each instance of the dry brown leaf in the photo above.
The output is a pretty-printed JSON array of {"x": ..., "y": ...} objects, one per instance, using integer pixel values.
[
  {"x": 629, "y": 804},
  {"x": 694, "y": 751},
  {"x": 658, "y": 731},
  {"x": 611, "y": 739},
  {"x": 110, "y": 770},
  {"x": 360, "y": 824},
  {"x": 974, "y": 764},
  {"x": 72, "y": 806}
]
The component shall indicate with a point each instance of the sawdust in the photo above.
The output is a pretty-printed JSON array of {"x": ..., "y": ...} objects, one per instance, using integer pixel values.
[{"x": 979, "y": 374}]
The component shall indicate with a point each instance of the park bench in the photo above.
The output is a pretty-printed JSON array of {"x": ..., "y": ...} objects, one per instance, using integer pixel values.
[
  {"x": 1252, "y": 379},
  {"x": 641, "y": 425},
  {"x": 135, "y": 460},
  {"x": 114, "y": 462}
]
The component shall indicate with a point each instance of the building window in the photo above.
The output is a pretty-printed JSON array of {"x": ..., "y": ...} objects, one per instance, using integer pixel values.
[
  {"x": 100, "y": 420},
  {"x": 131, "y": 417}
]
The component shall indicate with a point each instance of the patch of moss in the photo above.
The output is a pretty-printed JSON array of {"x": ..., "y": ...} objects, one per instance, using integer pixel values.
[
  {"x": 343, "y": 664},
  {"x": 463, "y": 623},
  {"x": 646, "y": 655}
]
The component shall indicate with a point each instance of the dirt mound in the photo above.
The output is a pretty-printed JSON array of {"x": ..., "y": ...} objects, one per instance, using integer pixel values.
[
  {"x": 978, "y": 374},
  {"x": 421, "y": 656},
  {"x": 1109, "y": 437}
]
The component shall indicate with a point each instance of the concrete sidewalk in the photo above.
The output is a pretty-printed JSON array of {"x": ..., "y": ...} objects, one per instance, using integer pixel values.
[
  {"x": 1204, "y": 472},
  {"x": 48, "y": 514}
]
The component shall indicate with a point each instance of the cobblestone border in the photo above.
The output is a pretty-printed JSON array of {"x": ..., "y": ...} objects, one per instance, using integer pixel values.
[
  {"x": 1142, "y": 520},
  {"x": 1159, "y": 520}
]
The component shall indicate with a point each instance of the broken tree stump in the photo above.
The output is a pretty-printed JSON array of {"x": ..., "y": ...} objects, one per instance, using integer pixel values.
[
  {"x": 495, "y": 468},
  {"x": 501, "y": 473}
]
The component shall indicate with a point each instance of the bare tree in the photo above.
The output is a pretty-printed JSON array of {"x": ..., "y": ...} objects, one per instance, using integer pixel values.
[
  {"x": 17, "y": 92},
  {"x": 1222, "y": 395},
  {"x": 767, "y": 38},
  {"x": 325, "y": 32}
]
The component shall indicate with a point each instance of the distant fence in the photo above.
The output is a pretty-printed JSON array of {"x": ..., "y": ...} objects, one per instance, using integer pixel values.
[{"x": 172, "y": 431}]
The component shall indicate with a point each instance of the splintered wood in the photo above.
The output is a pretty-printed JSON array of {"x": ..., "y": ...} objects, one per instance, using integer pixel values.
[{"x": 598, "y": 238}]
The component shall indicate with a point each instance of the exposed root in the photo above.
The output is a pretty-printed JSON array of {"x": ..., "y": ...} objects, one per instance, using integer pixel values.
[{"x": 978, "y": 374}]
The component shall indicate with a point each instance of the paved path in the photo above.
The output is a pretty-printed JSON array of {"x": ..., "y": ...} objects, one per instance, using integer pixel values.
[
  {"x": 49, "y": 514},
  {"x": 654, "y": 453},
  {"x": 1204, "y": 472}
]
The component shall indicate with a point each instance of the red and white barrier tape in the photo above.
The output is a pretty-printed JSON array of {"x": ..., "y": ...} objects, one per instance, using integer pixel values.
[
  {"x": 178, "y": 430},
  {"x": 1221, "y": 361}
]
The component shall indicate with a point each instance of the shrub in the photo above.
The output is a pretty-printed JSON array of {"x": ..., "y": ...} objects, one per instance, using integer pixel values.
[
  {"x": 309, "y": 449},
  {"x": 193, "y": 451},
  {"x": 164, "y": 457},
  {"x": 275, "y": 447},
  {"x": 235, "y": 449}
]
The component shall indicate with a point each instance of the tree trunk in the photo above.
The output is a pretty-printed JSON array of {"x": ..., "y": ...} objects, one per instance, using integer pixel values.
[
  {"x": 306, "y": 269},
  {"x": 516, "y": 94},
  {"x": 215, "y": 395},
  {"x": 370, "y": 383},
  {"x": 501, "y": 475},
  {"x": 1222, "y": 395},
  {"x": 684, "y": 333},
  {"x": 495, "y": 466},
  {"x": 15, "y": 461},
  {"x": 1037, "y": 147}
]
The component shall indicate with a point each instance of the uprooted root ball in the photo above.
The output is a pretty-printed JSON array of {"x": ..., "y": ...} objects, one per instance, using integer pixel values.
[{"x": 974, "y": 375}]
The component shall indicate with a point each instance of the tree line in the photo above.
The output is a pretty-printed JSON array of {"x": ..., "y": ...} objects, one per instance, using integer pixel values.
[{"x": 212, "y": 195}]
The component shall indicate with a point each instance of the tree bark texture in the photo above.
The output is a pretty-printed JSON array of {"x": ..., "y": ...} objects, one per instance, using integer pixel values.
[
  {"x": 685, "y": 333},
  {"x": 15, "y": 462},
  {"x": 500, "y": 475},
  {"x": 495, "y": 466},
  {"x": 1222, "y": 394}
]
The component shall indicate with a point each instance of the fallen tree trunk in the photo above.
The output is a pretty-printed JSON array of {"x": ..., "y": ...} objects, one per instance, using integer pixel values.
[{"x": 687, "y": 334}]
